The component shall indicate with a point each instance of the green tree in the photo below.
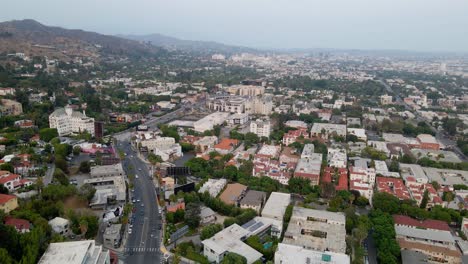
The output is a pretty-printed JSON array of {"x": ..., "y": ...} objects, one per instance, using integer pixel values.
[
  {"x": 233, "y": 258},
  {"x": 7, "y": 167},
  {"x": 425, "y": 199},
  {"x": 85, "y": 167},
  {"x": 47, "y": 134},
  {"x": 192, "y": 215},
  {"x": 210, "y": 230}
]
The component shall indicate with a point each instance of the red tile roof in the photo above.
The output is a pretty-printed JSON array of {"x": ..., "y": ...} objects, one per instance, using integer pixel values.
[
  {"x": 5, "y": 198},
  {"x": 227, "y": 144},
  {"x": 428, "y": 224},
  {"x": 19, "y": 224},
  {"x": 8, "y": 178}
]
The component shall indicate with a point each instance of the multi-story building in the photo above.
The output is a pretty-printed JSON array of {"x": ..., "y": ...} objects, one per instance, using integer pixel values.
[
  {"x": 67, "y": 121},
  {"x": 309, "y": 168},
  {"x": 316, "y": 230},
  {"x": 325, "y": 130},
  {"x": 291, "y": 254},
  {"x": 430, "y": 237},
  {"x": 260, "y": 127},
  {"x": 293, "y": 135},
  {"x": 238, "y": 119}
]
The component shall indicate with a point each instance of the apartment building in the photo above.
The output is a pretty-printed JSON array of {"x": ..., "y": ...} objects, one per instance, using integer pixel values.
[
  {"x": 431, "y": 238},
  {"x": 309, "y": 168},
  {"x": 10, "y": 107},
  {"x": 67, "y": 121},
  {"x": 261, "y": 127},
  {"x": 316, "y": 230}
]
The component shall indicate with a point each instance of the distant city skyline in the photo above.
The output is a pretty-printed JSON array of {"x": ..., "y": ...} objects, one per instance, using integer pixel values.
[{"x": 416, "y": 25}]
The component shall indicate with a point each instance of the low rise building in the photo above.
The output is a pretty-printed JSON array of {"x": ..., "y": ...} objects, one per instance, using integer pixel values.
[
  {"x": 427, "y": 141},
  {"x": 76, "y": 252},
  {"x": 294, "y": 135},
  {"x": 337, "y": 158},
  {"x": 276, "y": 205},
  {"x": 20, "y": 225},
  {"x": 115, "y": 170},
  {"x": 228, "y": 240},
  {"x": 226, "y": 145},
  {"x": 233, "y": 193},
  {"x": 393, "y": 186},
  {"x": 112, "y": 236},
  {"x": 213, "y": 186},
  {"x": 238, "y": 119},
  {"x": 8, "y": 203},
  {"x": 253, "y": 200},
  {"x": 10, "y": 107},
  {"x": 60, "y": 226},
  {"x": 432, "y": 238},
  {"x": 308, "y": 151},
  {"x": 296, "y": 124},
  {"x": 292, "y": 254},
  {"x": 208, "y": 122},
  {"x": 325, "y": 130},
  {"x": 309, "y": 168},
  {"x": 316, "y": 230},
  {"x": 360, "y": 133}
]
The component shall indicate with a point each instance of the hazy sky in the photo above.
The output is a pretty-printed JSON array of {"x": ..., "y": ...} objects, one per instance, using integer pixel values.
[{"x": 422, "y": 25}]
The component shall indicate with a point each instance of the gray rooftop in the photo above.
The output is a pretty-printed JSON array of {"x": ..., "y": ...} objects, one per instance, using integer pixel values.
[{"x": 254, "y": 198}]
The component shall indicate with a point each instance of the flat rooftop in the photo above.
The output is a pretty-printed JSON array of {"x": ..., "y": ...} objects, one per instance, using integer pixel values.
[
  {"x": 292, "y": 254},
  {"x": 317, "y": 230},
  {"x": 276, "y": 205}
]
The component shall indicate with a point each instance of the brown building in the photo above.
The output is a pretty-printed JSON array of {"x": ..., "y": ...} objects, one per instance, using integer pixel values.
[{"x": 233, "y": 193}]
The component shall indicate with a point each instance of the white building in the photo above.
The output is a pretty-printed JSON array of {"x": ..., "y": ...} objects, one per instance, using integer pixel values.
[
  {"x": 213, "y": 186},
  {"x": 291, "y": 254},
  {"x": 60, "y": 226},
  {"x": 260, "y": 127},
  {"x": 337, "y": 158},
  {"x": 114, "y": 170},
  {"x": 238, "y": 119},
  {"x": 276, "y": 205},
  {"x": 67, "y": 121},
  {"x": 360, "y": 133},
  {"x": 317, "y": 230},
  {"x": 77, "y": 252},
  {"x": 325, "y": 130},
  {"x": 209, "y": 121},
  {"x": 228, "y": 240}
]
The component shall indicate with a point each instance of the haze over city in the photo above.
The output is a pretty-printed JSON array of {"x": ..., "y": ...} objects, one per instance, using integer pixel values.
[
  {"x": 234, "y": 132},
  {"x": 417, "y": 25}
]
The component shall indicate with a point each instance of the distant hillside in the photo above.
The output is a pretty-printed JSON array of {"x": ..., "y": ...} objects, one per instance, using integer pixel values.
[
  {"x": 34, "y": 38},
  {"x": 188, "y": 45}
]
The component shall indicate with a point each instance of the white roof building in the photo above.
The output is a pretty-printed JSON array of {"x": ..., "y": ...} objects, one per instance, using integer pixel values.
[
  {"x": 209, "y": 121},
  {"x": 78, "y": 252},
  {"x": 60, "y": 225},
  {"x": 328, "y": 129},
  {"x": 228, "y": 240},
  {"x": 213, "y": 186},
  {"x": 317, "y": 230},
  {"x": 291, "y": 254},
  {"x": 67, "y": 121},
  {"x": 360, "y": 133},
  {"x": 114, "y": 170},
  {"x": 296, "y": 124},
  {"x": 307, "y": 151},
  {"x": 276, "y": 205}
]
